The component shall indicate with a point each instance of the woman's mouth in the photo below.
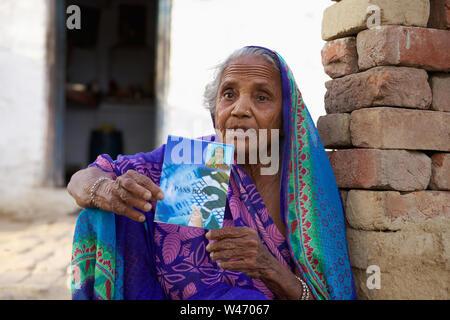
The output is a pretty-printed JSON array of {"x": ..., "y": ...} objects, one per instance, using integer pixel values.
[{"x": 239, "y": 127}]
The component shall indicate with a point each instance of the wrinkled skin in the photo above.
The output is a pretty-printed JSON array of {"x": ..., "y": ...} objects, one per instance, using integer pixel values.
[
  {"x": 129, "y": 190},
  {"x": 240, "y": 249}
]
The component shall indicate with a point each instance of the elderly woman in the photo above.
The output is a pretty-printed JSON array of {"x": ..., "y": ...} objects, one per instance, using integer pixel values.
[{"x": 283, "y": 235}]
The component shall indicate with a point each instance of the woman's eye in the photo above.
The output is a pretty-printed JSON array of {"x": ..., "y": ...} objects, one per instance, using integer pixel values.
[
  {"x": 228, "y": 95},
  {"x": 262, "y": 98}
]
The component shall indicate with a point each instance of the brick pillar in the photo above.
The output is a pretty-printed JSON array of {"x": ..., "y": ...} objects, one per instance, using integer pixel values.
[{"x": 388, "y": 125}]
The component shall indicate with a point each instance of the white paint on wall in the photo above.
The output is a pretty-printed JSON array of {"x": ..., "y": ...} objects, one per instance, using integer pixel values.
[
  {"x": 205, "y": 32},
  {"x": 23, "y": 93}
]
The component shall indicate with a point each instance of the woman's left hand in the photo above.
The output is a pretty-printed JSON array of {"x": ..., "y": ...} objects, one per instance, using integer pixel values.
[{"x": 240, "y": 249}]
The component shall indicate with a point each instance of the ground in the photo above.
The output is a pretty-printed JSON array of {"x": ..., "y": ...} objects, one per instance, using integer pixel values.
[{"x": 35, "y": 253}]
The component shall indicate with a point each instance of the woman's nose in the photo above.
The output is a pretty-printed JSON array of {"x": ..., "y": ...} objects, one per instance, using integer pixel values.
[{"x": 242, "y": 108}]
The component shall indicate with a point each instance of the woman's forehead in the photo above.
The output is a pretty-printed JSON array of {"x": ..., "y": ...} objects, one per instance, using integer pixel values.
[{"x": 247, "y": 67}]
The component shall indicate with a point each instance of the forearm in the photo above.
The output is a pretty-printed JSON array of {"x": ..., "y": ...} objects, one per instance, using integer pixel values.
[
  {"x": 81, "y": 182},
  {"x": 283, "y": 283}
]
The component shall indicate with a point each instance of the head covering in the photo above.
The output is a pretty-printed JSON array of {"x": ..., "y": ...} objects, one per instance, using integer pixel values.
[{"x": 311, "y": 205}]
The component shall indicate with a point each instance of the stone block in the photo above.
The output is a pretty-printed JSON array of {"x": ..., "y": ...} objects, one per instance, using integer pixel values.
[
  {"x": 392, "y": 210},
  {"x": 440, "y": 87},
  {"x": 398, "y": 128},
  {"x": 445, "y": 239},
  {"x": 348, "y": 17},
  {"x": 405, "y": 283},
  {"x": 404, "y": 46},
  {"x": 340, "y": 58},
  {"x": 380, "y": 86},
  {"x": 439, "y": 14},
  {"x": 334, "y": 130},
  {"x": 393, "y": 250},
  {"x": 400, "y": 170},
  {"x": 344, "y": 194},
  {"x": 440, "y": 172}
]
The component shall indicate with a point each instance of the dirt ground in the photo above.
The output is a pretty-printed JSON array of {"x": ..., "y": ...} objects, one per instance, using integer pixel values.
[{"x": 35, "y": 251}]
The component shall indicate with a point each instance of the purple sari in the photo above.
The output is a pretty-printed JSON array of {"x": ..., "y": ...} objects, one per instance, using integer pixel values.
[
  {"x": 182, "y": 267},
  {"x": 116, "y": 258}
]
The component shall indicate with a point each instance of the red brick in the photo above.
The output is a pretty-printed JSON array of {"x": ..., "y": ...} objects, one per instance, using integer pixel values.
[
  {"x": 440, "y": 172},
  {"x": 340, "y": 58},
  {"x": 334, "y": 130},
  {"x": 404, "y": 46},
  {"x": 447, "y": 13},
  {"x": 347, "y": 18},
  {"x": 392, "y": 210},
  {"x": 404, "y": 282},
  {"x": 381, "y": 169},
  {"x": 440, "y": 87},
  {"x": 394, "y": 250},
  {"x": 380, "y": 86},
  {"x": 398, "y": 128},
  {"x": 439, "y": 14}
]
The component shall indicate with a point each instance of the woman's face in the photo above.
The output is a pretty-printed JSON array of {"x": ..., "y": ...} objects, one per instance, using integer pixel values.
[
  {"x": 249, "y": 97},
  {"x": 218, "y": 155}
]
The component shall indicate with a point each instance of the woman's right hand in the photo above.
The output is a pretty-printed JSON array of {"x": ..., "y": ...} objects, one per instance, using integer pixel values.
[{"x": 129, "y": 190}]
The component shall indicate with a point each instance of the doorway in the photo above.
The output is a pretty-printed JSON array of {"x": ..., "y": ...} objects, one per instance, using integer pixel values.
[{"x": 115, "y": 71}]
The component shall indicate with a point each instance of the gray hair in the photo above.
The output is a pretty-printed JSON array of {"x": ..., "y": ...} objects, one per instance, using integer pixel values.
[{"x": 212, "y": 88}]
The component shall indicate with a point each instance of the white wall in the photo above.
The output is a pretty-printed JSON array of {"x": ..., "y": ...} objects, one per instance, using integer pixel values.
[
  {"x": 205, "y": 32},
  {"x": 23, "y": 93}
]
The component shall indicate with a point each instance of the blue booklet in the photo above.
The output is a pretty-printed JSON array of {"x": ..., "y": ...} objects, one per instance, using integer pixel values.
[{"x": 194, "y": 179}]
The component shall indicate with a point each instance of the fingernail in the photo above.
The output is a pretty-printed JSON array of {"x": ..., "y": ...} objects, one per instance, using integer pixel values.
[
  {"x": 212, "y": 255},
  {"x": 142, "y": 218},
  {"x": 208, "y": 247},
  {"x": 207, "y": 235},
  {"x": 147, "y": 207},
  {"x": 148, "y": 196},
  {"x": 160, "y": 195}
]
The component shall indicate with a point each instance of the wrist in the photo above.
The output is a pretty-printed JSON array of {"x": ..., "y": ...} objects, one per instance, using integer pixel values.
[
  {"x": 306, "y": 293},
  {"x": 269, "y": 274},
  {"x": 277, "y": 277},
  {"x": 271, "y": 271},
  {"x": 283, "y": 283},
  {"x": 96, "y": 189}
]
